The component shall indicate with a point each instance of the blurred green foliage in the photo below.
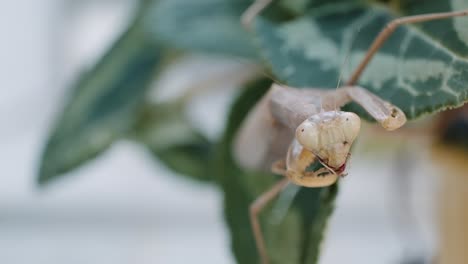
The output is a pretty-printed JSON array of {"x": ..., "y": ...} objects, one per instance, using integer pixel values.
[
  {"x": 422, "y": 68},
  {"x": 104, "y": 103}
]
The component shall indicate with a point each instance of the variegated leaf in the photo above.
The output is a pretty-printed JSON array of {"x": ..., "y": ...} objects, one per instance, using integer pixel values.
[
  {"x": 420, "y": 69},
  {"x": 209, "y": 26},
  {"x": 103, "y": 104}
]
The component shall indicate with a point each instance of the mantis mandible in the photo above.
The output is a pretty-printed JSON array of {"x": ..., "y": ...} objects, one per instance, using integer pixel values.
[{"x": 301, "y": 134}]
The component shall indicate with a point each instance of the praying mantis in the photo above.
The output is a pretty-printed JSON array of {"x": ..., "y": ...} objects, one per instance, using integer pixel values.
[{"x": 301, "y": 133}]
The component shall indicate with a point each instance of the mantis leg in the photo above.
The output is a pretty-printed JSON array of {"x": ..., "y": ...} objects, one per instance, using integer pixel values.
[
  {"x": 291, "y": 106},
  {"x": 292, "y": 111},
  {"x": 253, "y": 11},
  {"x": 279, "y": 167},
  {"x": 255, "y": 208},
  {"x": 389, "y": 29},
  {"x": 388, "y": 115},
  {"x": 322, "y": 178}
]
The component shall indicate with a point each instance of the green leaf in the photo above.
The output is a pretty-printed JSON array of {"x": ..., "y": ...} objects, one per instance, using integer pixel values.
[
  {"x": 211, "y": 26},
  {"x": 302, "y": 6},
  {"x": 165, "y": 130},
  {"x": 103, "y": 105},
  {"x": 294, "y": 238},
  {"x": 420, "y": 69}
]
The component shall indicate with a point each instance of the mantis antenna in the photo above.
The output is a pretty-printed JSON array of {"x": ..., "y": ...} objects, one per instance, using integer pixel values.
[{"x": 346, "y": 59}]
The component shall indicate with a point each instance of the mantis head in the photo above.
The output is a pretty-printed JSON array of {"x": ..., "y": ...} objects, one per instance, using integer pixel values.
[{"x": 329, "y": 135}]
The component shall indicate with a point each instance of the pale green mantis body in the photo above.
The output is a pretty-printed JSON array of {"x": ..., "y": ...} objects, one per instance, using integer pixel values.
[{"x": 301, "y": 134}]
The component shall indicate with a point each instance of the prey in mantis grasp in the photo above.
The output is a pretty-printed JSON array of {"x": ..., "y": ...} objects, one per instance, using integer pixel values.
[{"x": 301, "y": 134}]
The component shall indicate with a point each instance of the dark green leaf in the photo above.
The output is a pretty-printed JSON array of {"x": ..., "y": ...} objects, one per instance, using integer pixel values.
[
  {"x": 422, "y": 70},
  {"x": 211, "y": 26},
  {"x": 302, "y": 6},
  {"x": 294, "y": 238},
  {"x": 103, "y": 105},
  {"x": 165, "y": 130}
]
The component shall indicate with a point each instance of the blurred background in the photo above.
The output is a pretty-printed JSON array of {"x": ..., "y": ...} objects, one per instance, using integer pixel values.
[{"x": 124, "y": 207}]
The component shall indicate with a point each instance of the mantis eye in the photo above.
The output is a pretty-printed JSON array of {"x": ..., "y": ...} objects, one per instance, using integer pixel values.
[
  {"x": 307, "y": 134},
  {"x": 351, "y": 125}
]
